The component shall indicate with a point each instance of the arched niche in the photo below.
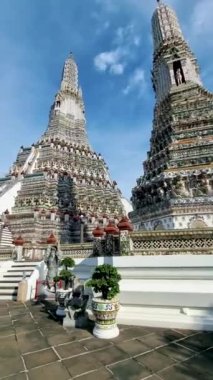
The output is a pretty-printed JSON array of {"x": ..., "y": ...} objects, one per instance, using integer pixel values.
[
  {"x": 197, "y": 223},
  {"x": 178, "y": 72},
  {"x": 158, "y": 226}
]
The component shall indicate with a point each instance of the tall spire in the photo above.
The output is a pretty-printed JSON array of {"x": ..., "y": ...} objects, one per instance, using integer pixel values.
[
  {"x": 175, "y": 190},
  {"x": 67, "y": 115},
  {"x": 174, "y": 63},
  {"x": 70, "y": 74},
  {"x": 165, "y": 25}
]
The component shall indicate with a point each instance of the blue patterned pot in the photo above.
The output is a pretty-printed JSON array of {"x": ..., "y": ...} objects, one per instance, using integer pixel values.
[{"x": 105, "y": 312}]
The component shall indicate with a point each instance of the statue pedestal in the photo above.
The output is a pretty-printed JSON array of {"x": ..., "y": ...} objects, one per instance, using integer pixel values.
[
  {"x": 22, "y": 291},
  {"x": 72, "y": 319}
]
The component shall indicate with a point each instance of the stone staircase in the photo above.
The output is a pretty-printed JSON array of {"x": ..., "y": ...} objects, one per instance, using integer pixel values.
[
  {"x": 10, "y": 278},
  {"x": 5, "y": 235}
]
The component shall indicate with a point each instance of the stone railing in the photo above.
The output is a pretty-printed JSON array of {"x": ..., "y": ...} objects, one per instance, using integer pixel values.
[
  {"x": 143, "y": 243},
  {"x": 37, "y": 252},
  {"x": 172, "y": 242},
  {"x": 6, "y": 253},
  {"x": 77, "y": 250}
]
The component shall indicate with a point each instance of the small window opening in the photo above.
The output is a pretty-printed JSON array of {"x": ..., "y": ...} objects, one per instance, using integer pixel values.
[{"x": 178, "y": 73}]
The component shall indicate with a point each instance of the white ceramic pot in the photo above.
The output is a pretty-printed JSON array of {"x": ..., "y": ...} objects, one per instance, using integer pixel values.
[
  {"x": 105, "y": 312},
  {"x": 60, "y": 297}
]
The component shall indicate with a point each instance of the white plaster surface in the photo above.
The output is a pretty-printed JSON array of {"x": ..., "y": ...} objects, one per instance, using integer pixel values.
[
  {"x": 7, "y": 200},
  {"x": 164, "y": 291}
]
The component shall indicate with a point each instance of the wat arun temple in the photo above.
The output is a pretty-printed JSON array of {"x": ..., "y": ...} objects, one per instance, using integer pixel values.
[
  {"x": 60, "y": 182},
  {"x": 176, "y": 189}
]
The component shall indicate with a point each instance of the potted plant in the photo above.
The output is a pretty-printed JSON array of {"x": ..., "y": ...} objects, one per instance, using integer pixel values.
[
  {"x": 56, "y": 280},
  {"x": 66, "y": 275},
  {"x": 105, "y": 280}
]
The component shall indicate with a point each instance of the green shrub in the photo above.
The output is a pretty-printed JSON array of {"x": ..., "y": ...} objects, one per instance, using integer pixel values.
[
  {"x": 105, "y": 280},
  {"x": 68, "y": 262},
  {"x": 66, "y": 276}
]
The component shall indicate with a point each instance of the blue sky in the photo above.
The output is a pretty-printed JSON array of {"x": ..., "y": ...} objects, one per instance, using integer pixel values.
[{"x": 111, "y": 41}]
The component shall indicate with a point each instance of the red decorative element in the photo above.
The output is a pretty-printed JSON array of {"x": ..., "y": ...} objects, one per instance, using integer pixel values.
[
  {"x": 19, "y": 241},
  {"x": 98, "y": 232},
  {"x": 111, "y": 229},
  {"x": 125, "y": 225},
  {"x": 51, "y": 239}
]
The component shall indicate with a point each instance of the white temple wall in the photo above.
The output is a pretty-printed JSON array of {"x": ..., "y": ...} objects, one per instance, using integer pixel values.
[
  {"x": 70, "y": 106},
  {"x": 176, "y": 222},
  {"x": 7, "y": 200},
  {"x": 164, "y": 291}
]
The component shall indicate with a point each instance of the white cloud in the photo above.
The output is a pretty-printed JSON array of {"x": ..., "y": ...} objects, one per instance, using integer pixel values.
[
  {"x": 110, "y": 60},
  {"x": 136, "y": 82},
  {"x": 117, "y": 68},
  {"x": 115, "y": 60},
  {"x": 126, "y": 36}
]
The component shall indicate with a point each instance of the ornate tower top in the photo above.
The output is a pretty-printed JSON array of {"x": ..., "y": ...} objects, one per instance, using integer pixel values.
[
  {"x": 174, "y": 63},
  {"x": 176, "y": 188},
  {"x": 70, "y": 74},
  {"x": 165, "y": 24},
  {"x": 67, "y": 116}
]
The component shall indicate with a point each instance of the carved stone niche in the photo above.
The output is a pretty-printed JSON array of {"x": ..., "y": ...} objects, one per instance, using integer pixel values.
[
  {"x": 197, "y": 222},
  {"x": 158, "y": 226}
]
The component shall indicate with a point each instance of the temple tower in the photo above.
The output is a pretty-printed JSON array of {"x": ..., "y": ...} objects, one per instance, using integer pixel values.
[
  {"x": 176, "y": 189},
  {"x": 60, "y": 185}
]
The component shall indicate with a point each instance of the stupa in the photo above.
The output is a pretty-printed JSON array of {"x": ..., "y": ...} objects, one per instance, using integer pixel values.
[
  {"x": 176, "y": 189},
  {"x": 60, "y": 184}
]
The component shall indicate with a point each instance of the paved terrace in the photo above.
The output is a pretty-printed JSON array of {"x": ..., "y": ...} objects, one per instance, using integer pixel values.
[{"x": 36, "y": 347}]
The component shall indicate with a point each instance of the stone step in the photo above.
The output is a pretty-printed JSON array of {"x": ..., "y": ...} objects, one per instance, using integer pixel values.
[
  {"x": 16, "y": 277},
  {"x": 30, "y": 270},
  {"x": 8, "y": 297},
  {"x": 21, "y": 270},
  {"x": 9, "y": 285},
  {"x": 11, "y": 291},
  {"x": 24, "y": 266},
  {"x": 26, "y": 262}
]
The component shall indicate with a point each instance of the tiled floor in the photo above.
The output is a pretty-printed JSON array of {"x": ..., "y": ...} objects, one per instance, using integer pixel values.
[{"x": 34, "y": 346}]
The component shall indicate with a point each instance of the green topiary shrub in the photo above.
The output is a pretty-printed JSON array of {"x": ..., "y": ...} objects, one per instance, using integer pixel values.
[
  {"x": 68, "y": 262},
  {"x": 66, "y": 276},
  {"x": 105, "y": 280},
  {"x": 56, "y": 279}
]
